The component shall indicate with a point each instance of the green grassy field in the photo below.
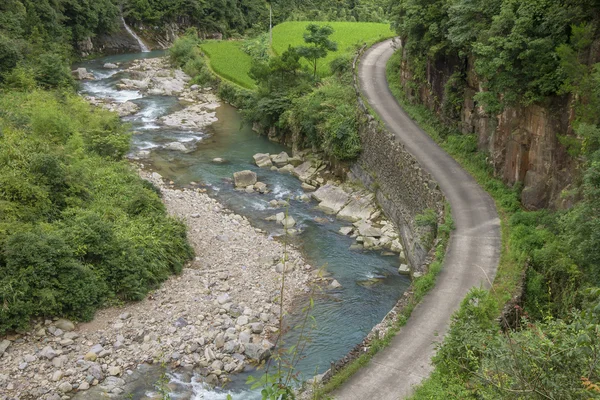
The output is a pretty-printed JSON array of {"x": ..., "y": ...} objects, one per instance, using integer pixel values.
[
  {"x": 229, "y": 61},
  {"x": 346, "y": 35}
]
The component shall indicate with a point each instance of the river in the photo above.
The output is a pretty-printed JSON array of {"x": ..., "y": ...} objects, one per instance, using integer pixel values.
[{"x": 370, "y": 282}]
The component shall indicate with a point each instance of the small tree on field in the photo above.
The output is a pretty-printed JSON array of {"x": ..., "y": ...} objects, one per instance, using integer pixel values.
[{"x": 319, "y": 44}]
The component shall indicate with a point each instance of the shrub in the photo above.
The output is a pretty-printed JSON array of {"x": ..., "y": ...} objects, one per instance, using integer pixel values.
[
  {"x": 78, "y": 227},
  {"x": 183, "y": 50}
]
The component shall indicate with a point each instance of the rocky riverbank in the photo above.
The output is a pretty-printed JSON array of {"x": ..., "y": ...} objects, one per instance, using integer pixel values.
[
  {"x": 348, "y": 201},
  {"x": 219, "y": 315}
]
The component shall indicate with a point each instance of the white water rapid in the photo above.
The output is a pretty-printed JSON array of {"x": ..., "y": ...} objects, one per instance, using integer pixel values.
[{"x": 143, "y": 47}]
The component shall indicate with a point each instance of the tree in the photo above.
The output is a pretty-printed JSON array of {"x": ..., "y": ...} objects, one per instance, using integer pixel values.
[{"x": 318, "y": 39}]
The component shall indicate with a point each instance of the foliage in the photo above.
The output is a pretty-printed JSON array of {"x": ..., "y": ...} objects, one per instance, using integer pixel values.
[
  {"x": 258, "y": 48},
  {"x": 330, "y": 10},
  {"x": 515, "y": 45},
  {"x": 561, "y": 250},
  {"x": 347, "y": 35},
  {"x": 77, "y": 226},
  {"x": 328, "y": 118},
  {"x": 317, "y": 39},
  {"x": 229, "y": 61}
]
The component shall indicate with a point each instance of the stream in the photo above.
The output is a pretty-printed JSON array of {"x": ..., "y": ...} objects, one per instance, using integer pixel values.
[{"x": 370, "y": 282}]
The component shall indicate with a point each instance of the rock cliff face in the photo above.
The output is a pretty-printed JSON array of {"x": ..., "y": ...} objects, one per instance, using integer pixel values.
[{"x": 522, "y": 143}]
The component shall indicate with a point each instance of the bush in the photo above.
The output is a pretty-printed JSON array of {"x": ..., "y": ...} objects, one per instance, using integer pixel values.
[
  {"x": 78, "y": 227},
  {"x": 183, "y": 50},
  {"x": 51, "y": 71}
]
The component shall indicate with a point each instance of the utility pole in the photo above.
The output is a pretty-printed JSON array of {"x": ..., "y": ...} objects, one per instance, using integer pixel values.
[{"x": 270, "y": 24}]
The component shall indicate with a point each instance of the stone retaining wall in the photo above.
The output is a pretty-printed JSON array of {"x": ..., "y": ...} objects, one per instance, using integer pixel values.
[{"x": 403, "y": 189}]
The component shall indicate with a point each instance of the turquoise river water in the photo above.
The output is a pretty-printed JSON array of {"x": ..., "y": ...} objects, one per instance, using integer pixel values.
[{"x": 370, "y": 282}]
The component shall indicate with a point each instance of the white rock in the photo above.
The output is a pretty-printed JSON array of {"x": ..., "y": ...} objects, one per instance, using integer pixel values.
[
  {"x": 335, "y": 284},
  {"x": 262, "y": 160},
  {"x": 245, "y": 178},
  {"x": 332, "y": 198}
]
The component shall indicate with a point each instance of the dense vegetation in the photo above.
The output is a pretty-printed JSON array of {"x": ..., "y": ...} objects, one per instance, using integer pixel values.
[
  {"x": 37, "y": 38},
  {"x": 78, "y": 228},
  {"x": 234, "y": 17},
  {"x": 303, "y": 88},
  {"x": 522, "y": 52}
]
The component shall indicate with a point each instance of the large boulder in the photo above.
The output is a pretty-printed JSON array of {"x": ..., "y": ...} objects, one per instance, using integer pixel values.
[
  {"x": 244, "y": 179},
  {"x": 134, "y": 84},
  {"x": 288, "y": 222},
  {"x": 3, "y": 346},
  {"x": 126, "y": 108},
  {"x": 111, "y": 66},
  {"x": 280, "y": 159},
  {"x": 366, "y": 229},
  {"x": 305, "y": 171},
  {"x": 65, "y": 325},
  {"x": 257, "y": 352},
  {"x": 82, "y": 74},
  {"x": 358, "y": 208},
  {"x": 176, "y": 146},
  {"x": 263, "y": 160},
  {"x": 332, "y": 199}
]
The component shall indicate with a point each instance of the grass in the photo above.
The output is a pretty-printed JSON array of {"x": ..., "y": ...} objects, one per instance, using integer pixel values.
[
  {"x": 420, "y": 286},
  {"x": 347, "y": 35},
  {"x": 227, "y": 60}
]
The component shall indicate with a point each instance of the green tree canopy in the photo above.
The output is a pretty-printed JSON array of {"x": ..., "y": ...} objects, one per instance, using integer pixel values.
[{"x": 317, "y": 37}]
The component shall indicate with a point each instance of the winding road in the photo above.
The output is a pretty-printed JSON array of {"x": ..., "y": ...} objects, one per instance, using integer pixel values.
[{"x": 471, "y": 258}]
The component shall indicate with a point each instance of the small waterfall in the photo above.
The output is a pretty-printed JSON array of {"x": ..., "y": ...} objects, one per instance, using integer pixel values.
[{"x": 143, "y": 47}]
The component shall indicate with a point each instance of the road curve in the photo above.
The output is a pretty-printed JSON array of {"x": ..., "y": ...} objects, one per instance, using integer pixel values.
[{"x": 471, "y": 258}]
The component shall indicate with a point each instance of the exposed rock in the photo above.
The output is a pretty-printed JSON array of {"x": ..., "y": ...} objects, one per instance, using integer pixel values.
[
  {"x": 331, "y": 198},
  {"x": 126, "y": 108},
  {"x": 288, "y": 222},
  {"x": 256, "y": 327},
  {"x": 295, "y": 161},
  {"x": 3, "y": 346},
  {"x": 219, "y": 160},
  {"x": 307, "y": 187},
  {"x": 111, "y": 66},
  {"x": 65, "y": 387},
  {"x": 304, "y": 171},
  {"x": 335, "y": 284},
  {"x": 366, "y": 229},
  {"x": 82, "y": 74},
  {"x": 281, "y": 159},
  {"x": 359, "y": 207},
  {"x": 289, "y": 168},
  {"x": 176, "y": 146},
  {"x": 260, "y": 187},
  {"x": 257, "y": 352},
  {"x": 404, "y": 269},
  {"x": 245, "y": 178},
  {"x": 370, "y": 243},
  {"x": 346, "y": 230},
  {"x": 263, "y": 160},
  {"x": 114, "y": 371},
  {"x": 195, "y": 117},
  {"x": 48, "y": 353},
  {"x": 65, "y": 325},
  {"x": 57, "y": 376}
]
